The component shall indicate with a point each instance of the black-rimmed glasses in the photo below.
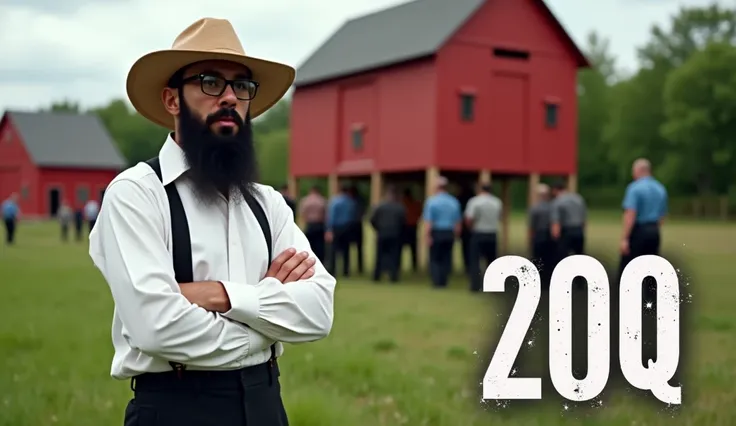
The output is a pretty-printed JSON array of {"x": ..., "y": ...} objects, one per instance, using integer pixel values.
[{"x": 245, "y": 89}]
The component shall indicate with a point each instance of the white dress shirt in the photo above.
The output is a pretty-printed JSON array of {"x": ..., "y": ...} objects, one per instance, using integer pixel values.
[{"x": 153, "y": 323}]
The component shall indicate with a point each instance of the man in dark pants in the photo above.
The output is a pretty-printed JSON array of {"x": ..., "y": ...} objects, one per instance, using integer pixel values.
[
  {"x": 543, "y": 248},
  {"x": 208, "y": 272},
  {"x": 413, "y": 209},
  {"x": 341, "y": 214},
  {"x": 356, "y": 227},
  {"x": 568, "y": 216},
  {"x": 645, "y": 207},
  {"x": 466, "y": 193},
  {"x": 388, "y": 219},
  {"x": 442, "y": 221},
  {"x": 482, "y": 216},
  {"x": 289, "y": 200},
  {"x": 313, "y": 209},
  {"x": 78, "y": 222},
  {"x": 10, "y": 211}
]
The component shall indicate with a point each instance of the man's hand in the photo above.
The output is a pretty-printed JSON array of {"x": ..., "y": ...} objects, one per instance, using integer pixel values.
[
  {"x": 328, "y": 236},
  {"x": 210, "y": 295},
  {"x": 625, "y": 247},
  {"x": 291, "y": 266}
]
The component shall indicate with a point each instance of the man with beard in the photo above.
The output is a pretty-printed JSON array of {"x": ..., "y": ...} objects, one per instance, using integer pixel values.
[{"x": 184, "y": 242}]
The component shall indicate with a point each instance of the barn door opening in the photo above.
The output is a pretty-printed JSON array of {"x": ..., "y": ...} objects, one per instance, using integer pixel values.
[{"x": 54, "y": 201}]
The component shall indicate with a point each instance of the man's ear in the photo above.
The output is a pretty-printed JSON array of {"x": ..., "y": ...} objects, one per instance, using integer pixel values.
[{"x": 170, "y": 98}]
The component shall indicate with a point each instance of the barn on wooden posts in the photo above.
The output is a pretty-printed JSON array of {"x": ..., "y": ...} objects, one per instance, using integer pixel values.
[
  {"x": 46, "y": 157},
  {"x": 481, "y": 88}
]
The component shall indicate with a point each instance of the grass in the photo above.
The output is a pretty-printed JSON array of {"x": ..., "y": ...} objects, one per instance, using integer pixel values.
[{"x": 398, "y": 354}]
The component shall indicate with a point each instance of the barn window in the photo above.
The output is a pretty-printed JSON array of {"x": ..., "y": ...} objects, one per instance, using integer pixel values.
[
  {"x": 82, "y": 194},
  {"x": 357, "y": 137},
  {"x": 25, "y": 192},
  {"x": 519, "y": 55},
  {"x": 467, "y": 107},
  {"x": 551, "y": 114}
]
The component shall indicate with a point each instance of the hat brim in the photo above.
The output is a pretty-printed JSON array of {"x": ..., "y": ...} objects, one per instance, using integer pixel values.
[{"x": 150, "y": 74}]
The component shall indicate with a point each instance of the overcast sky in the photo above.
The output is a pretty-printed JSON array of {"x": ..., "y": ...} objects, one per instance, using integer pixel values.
[{"x": 82, "y": 49}]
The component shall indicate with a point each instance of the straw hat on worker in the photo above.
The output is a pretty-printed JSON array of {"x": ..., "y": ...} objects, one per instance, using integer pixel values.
[{"x": 205, "y": 40}]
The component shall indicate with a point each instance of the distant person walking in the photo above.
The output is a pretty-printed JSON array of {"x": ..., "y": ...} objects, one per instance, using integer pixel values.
[
  {"x": 442, "y": 221},
  {"x": 313, "y": 209},
  {"x": 482, "y": 216},
  {"x": 413, "y": 209},
  {"x": 11, "y": 214},
  {"x": 543, "y": 247},
  {"x": 289, "y": 200},
  {"x": 340, "y": 221},
  {"x": 78, "y": 221},
  {"x": 645, "y": 207},
  {"x": 568, "y": 217},
  {"x": 356, "y": 227},
  {"x": 65, "y": 215},
  {"x": 388, "y": 220},
  {"x": 91, "y": 211}
]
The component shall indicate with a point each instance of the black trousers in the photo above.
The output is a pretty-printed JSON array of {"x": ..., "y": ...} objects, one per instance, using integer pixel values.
[
  {"x": 247, "y": 397},
  {"x": 465, "y": 238},
  {"x": 645, "y": 239},
  {"x": 356, "y": 238},
  {"x": 482, "y": 246},
  {"x": 440, "y": 257},
  {"x": 10, "y": 227},
  {"x": 544, "y": 254},
  {"x": 410, "y": 239},
  {"x": 91, "y": 224},
  {"x": 341, "y": 239},
  {"x": 78, "y": 226},
  {"x": 64, "y": 231},
  {"x": 388, "y": 257},
  {"x": 315, "y": 233},
  {"x": 572, "y": 241}
]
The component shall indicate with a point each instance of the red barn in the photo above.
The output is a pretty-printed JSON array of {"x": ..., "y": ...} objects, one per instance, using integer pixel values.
[
  {"x": 440, "y": 87},
  {"x": 49, "y": 156}
]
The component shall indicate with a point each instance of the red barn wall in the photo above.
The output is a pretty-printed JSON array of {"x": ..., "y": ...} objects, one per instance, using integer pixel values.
[
  {"x": 17, "y": 171},
  {"x": 508, "y": 133},
  {"x": 71, "y": 183},
  {"x": 395, "y": 106}
]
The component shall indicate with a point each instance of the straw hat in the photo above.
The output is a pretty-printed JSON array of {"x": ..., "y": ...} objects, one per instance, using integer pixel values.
[{"x": 206, "y": 39}]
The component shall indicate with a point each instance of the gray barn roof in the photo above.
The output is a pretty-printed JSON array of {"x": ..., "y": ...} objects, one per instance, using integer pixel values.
[
  {"x": 63, "y": 139},
  {"x": 408, "y": 31}
]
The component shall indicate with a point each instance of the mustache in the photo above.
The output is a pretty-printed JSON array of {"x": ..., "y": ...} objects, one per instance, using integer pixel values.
[{"x": 225, "y": 113}]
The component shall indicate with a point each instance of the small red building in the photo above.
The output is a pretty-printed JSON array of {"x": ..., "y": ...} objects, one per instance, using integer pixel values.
[{"x": 49, "y": 156}]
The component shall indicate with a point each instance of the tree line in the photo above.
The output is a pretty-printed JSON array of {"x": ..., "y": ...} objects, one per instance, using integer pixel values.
[{"x": 678, "y": 109}]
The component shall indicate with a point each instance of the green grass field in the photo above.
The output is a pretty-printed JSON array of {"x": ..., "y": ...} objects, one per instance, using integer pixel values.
[{"x": 398, "y": 355}]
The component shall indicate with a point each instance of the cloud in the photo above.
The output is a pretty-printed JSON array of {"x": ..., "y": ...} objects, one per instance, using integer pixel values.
[{"x": 83, "y": 49}]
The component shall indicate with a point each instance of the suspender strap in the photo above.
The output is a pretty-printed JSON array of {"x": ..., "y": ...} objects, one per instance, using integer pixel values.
[{"x": 181, "y": 241}]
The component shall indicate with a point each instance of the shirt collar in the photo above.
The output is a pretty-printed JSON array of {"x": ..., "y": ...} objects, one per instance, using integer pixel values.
[{"x": 173, "y": 162}]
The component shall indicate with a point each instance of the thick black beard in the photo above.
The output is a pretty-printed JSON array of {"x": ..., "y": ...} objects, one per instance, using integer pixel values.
[{"x": 223, "y": 163}]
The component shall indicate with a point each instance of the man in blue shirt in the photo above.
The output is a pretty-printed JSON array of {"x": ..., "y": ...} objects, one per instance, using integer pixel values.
[
  {"x": 442, "y": 222},
  {"x": 10, "y": 211},
  {"x": 341, "y": 214},
  {"x": 645, "y": 206}
]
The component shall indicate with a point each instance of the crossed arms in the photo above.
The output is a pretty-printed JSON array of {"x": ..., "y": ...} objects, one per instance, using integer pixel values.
[{"x": 158, "y": 317}]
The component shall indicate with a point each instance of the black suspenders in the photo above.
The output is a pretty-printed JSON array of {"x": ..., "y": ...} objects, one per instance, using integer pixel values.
[{"x": 181, "y": 242}]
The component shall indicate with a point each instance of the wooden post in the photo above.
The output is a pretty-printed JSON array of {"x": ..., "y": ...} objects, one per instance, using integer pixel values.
[
  {"x": 533, "y": 184},
  {"x": 293, "y": 187},
  {"x": 505, "y": 214},
  {"x": 572, "y": 183},
  {"x": 484, "y": 177},
  {"x": 376, "y": 187},
  {"x": 430, "y": 185},
  {"x": 332, "y": 185}
]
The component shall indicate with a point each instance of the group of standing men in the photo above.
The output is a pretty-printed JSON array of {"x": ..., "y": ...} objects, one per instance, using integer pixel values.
[
  {"x": 557, "y": 226},
  {"x": 66, "y": 215}
]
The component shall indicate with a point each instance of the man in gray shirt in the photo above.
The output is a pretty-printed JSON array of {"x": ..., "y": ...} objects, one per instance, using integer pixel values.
[
  {"x": 568, "y": 217},
  {"x": 482, "y": 216},
  {"x": 543, "y": 247},
  {"x": 388, "y": 219}
]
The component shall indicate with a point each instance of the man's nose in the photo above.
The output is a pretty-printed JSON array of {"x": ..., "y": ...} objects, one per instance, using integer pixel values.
[{"x": 228, "y": 98}]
